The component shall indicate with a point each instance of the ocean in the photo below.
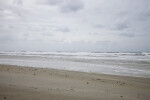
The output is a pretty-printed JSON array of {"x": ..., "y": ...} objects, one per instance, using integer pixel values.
[{"x": 123, "y": 64}]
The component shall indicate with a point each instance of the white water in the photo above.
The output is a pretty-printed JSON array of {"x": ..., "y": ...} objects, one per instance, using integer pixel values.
[{"x": 126, "y": 64}]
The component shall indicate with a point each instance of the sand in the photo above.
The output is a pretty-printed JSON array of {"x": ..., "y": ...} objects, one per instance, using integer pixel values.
[{"x": 27, "y": 83}]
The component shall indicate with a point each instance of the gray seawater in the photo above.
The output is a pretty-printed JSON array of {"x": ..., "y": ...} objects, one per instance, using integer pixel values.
[{"x": 124, "y": 64}]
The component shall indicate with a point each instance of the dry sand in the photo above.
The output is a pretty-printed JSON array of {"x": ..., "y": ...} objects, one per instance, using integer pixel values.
[{"x": 26, "y": 83}]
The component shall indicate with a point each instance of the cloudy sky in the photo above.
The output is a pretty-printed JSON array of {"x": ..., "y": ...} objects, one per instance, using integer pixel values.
[{"x": 75, "y": 25}]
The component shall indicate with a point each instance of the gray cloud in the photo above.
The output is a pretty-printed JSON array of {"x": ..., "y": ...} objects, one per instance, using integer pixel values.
[
  {"x": 65, "y": 29},
  {"x": 64, "y": 6},
  {"x": 143, "y": 15},
  {"x": 121, "y": 26},
  {"x": 48, "y": 34},
  {"x": 49, "y": 2},
  {"x": 72, "y": 6},
  {"x": 127, "y": 34},
  {"x": 81, "y": 25},
  {"x": 6, "y": 37},
  {"x": 103, "y": 42},
  {"x": 18, "y": 2},
  {"x": 98, "y": 26}
]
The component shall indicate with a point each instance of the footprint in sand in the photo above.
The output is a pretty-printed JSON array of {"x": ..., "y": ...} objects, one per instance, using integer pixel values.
[
  {"x": 138, "y": 96},
  {"x": 98, "y": 79},
  {"x": 11, "y": 85},
  {"x": 66, "y": 76},
  {"x": 72, "y": 89},
  {"x": 34, "y": 74},
  {"x": 34, "y": 87},
  {"x": 122, "y": 83},
  {"x": 50, "y": 74},
  {"x": 49, "y": 89}
]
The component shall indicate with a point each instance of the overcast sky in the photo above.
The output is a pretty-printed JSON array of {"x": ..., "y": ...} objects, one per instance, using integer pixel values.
[{"x": 75, "y": 25}]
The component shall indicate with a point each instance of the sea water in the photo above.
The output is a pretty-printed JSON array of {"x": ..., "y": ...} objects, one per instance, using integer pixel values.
[{"x": 124, "y": 64}]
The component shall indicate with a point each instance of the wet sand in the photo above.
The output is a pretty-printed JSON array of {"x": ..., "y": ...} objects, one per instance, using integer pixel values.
[{"x": 27, "y": 83}]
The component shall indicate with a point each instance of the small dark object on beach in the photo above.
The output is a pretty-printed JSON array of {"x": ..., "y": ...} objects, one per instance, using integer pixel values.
[
  {"x": 72, "y": 89},
  {"x": 98, "y": 79},
  {"x": 5, "y": 97}
]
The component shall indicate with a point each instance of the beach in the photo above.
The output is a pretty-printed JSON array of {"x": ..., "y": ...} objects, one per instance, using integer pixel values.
[
  {"x": 30, "y": 83},
  {"x": 74, "y": 50}
]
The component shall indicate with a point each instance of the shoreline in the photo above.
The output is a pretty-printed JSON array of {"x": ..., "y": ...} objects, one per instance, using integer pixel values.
[
  {"x": 21, "y": 83},
  {"x": 111, "y": 66},
  {"x": 66, "y": 70}
]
